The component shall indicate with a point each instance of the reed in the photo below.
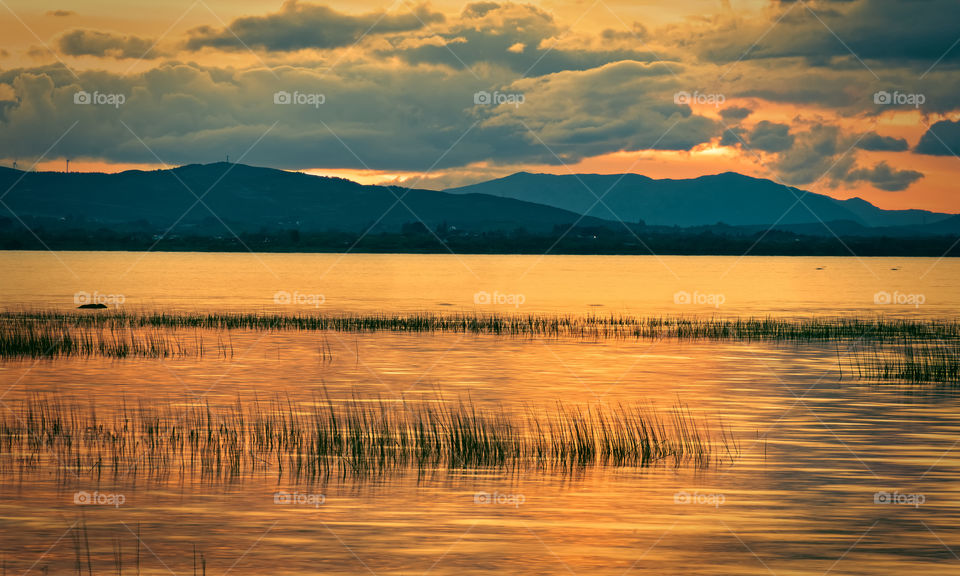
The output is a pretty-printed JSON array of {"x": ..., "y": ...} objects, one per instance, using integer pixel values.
[
  {"x": 314, "y": 440},
  {"x": 910, "y": 362},
  {"x": 57, "y": 336},
  {"x": 120, "y": 334}
]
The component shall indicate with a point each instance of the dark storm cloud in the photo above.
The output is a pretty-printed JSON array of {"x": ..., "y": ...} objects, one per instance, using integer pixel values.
[
  {"x": 770, "y": 137},
  {"x": 877, "y": 143},
  {"x": 884, "y": 177},
  {"x": 105, "y": 45},
  {"x": 941, "y": 139},
  {"x": 60, "y": 13},
  {"x": 298, "y": 26}
]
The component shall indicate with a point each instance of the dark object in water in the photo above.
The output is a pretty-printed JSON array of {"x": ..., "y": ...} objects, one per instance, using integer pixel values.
[{"x": 92, "y": 306}]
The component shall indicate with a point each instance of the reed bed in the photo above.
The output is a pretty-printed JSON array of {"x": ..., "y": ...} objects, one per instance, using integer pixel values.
[
  {"x": 119, "y": 333},
  {"x": 314, "y": 440},
  {"x": 55, "y": 337},
  {"x": 909, "y": 362}
]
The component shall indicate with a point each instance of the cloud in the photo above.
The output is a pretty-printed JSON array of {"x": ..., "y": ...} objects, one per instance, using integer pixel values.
[
  {"x": 635, "y": 33},
  {"x": 60, "y": 13},
  {"x": 622, "y": 106},
  {"x": 82, "y": 42},
  {"x": 824, "y": 153},
  {"x": 941, "y": 139},
  {"x": 733, "y": 136},
  {"x": 843, "y": 90},
  {"x": 404, "y": 99},
  {"x": 404, "y": 119},
  {"x": 818, "y": 153},
  {"x": 790, "y": 82},
  {"x": 770, "y": 137},
  {"x": 877, "y": 143},
  {"x": 892, "y": 31},
  {"x": 300, "y": 26},
  {"x": 884, "y": 177},
  {"x": 479, "y": 9},
  {"x": 797, "y": 60},
  {"x": 734, "y": 113},
  {"x": 489, "y": 32}
]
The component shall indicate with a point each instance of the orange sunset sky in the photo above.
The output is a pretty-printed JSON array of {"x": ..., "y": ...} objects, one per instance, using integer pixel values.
[{"x": 846, "y": 98}]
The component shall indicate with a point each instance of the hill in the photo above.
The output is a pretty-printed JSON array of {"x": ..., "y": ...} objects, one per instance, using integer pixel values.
[
  {"x": 200, "y": 199},
  {"x": 730, "y": 198}
]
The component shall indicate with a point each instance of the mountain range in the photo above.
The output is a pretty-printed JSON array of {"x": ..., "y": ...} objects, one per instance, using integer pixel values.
[
  {"x": 203, "y": 199},
  {"x": 730, "y": 198}
]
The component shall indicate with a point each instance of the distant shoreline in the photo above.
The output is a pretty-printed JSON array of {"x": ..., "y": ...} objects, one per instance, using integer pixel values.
[{"x": 604, "y": 243}]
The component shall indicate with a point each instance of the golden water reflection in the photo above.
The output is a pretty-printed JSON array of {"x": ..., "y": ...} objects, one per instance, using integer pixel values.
[
  {"x": 815, "y": 452},
  {"x": 823, "y": 484}
]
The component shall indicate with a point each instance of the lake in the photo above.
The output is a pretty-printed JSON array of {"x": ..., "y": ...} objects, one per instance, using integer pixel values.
[
  {"x": 557, "y": 284},
  {"x": 834, "y": 474}
]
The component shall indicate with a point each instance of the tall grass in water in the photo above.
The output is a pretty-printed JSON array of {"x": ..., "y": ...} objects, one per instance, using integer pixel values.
[
  {"x": 118, "y": 333},
  {"x": 910, "y": 361},
  {"x": 59, "y": 336},
  {"x": 356, "y": 437}
]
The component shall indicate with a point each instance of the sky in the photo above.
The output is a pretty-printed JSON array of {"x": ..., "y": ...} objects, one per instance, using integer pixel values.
[{"x": 840, "y": 97}]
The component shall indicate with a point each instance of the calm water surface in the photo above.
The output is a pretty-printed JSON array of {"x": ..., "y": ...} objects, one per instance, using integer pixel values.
[
  {"x": 556, "y": 284},
  {"x": 802, "y": 498}
]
